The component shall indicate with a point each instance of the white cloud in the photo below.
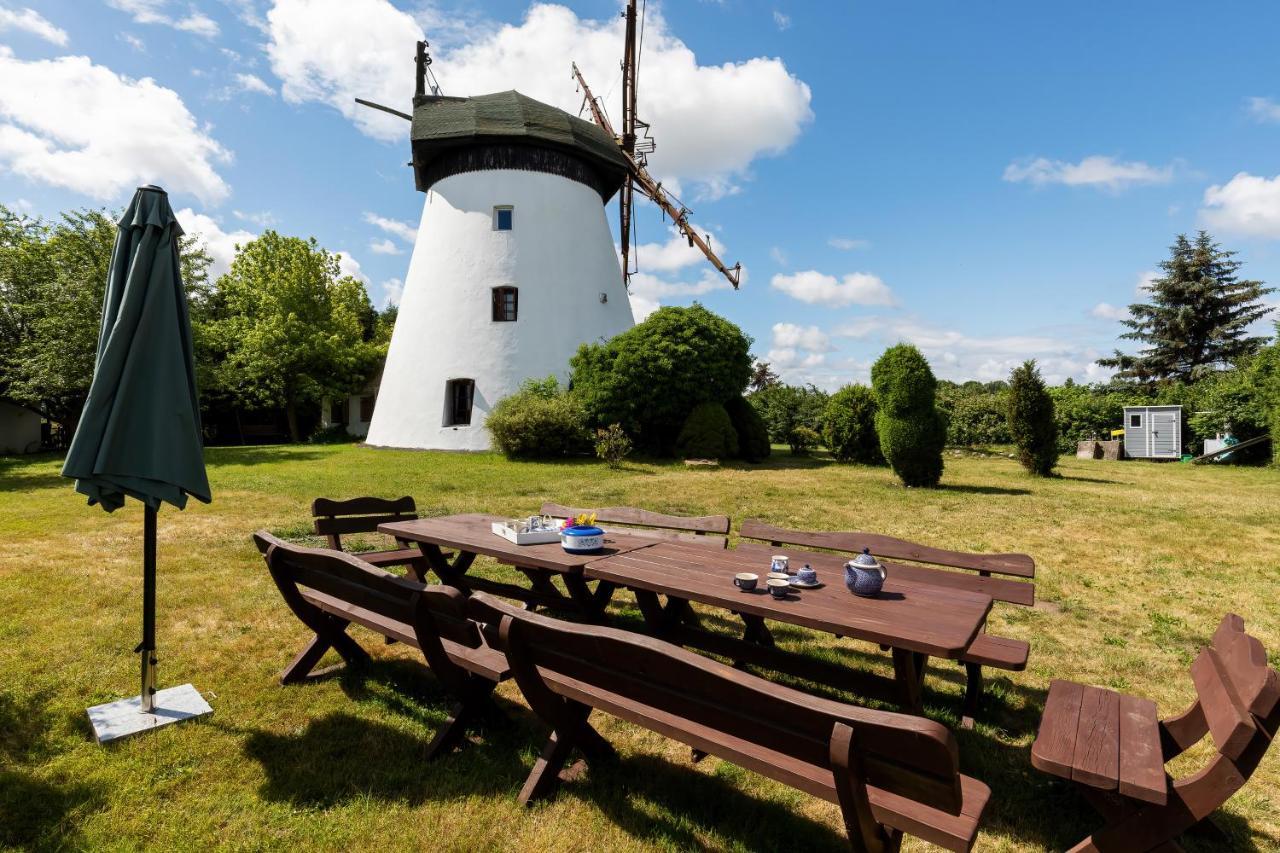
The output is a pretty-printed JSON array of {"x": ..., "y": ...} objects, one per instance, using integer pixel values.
[
  {"x": 1107, "y": 311},
  {"x": 781, "y": 20},
  {"x": 711, "y": 121},
  {"x": 1143, "y": 288},
  {"x": 220, "y": 244},
  {"x": 778, "y": 256},
  {"x": 30, "y": 21},
  {"x": 253, "y": 83},
  {"x": 333, "y": 51},
  {"x": 1264, "y": 109},
  {"x": 403, "y": 230},
  {"x": 73, "y": 124},
  {"x": 959, "y": 356},
  {"x": 675, "y": 254},
  {"x": 392, "y": 292},
  {"x": 384, "y": 247},
  {"x": 262, "y": 218},
  {"x": 789, "y": 358},
  {"x": 846, "y": 244},
  {"x": 347, "y": 265},
  {"x": 654, "y": 286},
  {"x": 808, "y": 338},
  {"x": 1096, "y": 171},
  {"x": 642, "y": 307},
  {"x": 134, "y": 42},
  {"x": 157, "y": 12},
  {"x": 858, "y": 288},
  {"x": 1246, "y": 204}
]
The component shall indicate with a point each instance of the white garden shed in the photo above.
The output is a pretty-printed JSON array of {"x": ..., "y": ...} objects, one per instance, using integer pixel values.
[{"x": 1153, "y": 432}]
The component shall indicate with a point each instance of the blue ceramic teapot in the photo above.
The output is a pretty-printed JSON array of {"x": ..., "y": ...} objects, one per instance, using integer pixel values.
[{"x": 864, "y": 575}]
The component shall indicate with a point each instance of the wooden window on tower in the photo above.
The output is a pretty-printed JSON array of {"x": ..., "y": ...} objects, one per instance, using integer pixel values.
[
  {"x": 506, "y": 304},
  {"x": 458, "y": 394},
  {"x": 503, "y": 217},
  {"x": 366, "y": 409}
]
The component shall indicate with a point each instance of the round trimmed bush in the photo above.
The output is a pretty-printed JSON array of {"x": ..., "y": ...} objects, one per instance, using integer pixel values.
[
  {"x": 911, "y": 429},
  {"x": 707, "y": 434},
  {"x": 539, "y": 421},
  {"x": 753, "y": 435},
  {"x": 650, "y": 377},
  {"x": 849, "y": 426},
  {"x": 1031, "y": 420}
]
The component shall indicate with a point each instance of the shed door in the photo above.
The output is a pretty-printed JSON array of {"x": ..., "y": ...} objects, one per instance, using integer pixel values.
[
  {"x": 1164, "y": 434},
  {"x": 1135, "y": 434}
]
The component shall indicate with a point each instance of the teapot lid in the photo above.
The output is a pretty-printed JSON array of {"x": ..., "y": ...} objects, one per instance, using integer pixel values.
[{"x": 865, "y": 559}]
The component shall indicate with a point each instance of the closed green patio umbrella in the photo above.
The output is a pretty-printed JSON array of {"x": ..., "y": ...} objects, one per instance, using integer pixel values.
[{"x": 139, "y": 434}]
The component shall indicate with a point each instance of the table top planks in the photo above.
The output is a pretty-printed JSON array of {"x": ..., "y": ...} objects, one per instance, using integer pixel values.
[
  {"x": 1103, "y": 739},
  {"x": 472, "y": 533},
  {"x": 917, "y": 617}
]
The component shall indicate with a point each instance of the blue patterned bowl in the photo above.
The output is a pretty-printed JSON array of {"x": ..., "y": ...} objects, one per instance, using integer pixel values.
[{"x": 582, "y": 540}]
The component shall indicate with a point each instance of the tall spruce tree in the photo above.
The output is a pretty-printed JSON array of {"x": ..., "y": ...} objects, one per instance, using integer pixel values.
[{"x": 1197, "y": 319}]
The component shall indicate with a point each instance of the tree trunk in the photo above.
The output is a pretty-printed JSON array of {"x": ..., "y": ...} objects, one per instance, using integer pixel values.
[{"x": 291, "y": 411}]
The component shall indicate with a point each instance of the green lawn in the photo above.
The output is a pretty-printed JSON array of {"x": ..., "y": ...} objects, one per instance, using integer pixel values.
[{"x": 1137, "y": 563}]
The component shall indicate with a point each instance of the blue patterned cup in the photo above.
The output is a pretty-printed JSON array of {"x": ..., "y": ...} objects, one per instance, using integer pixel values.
[{"x": 745, "y": 581}]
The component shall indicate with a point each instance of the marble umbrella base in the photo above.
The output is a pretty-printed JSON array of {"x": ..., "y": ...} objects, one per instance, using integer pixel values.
[{"x": 124, "y": 717}]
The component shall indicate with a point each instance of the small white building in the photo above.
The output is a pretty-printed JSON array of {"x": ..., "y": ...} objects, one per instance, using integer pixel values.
[
  {"x": 355, "y": 411},
  {"x": 514, "y": 266},
  {"x": 19, "y": 429},
  {"x": 1153, "y": 432}
]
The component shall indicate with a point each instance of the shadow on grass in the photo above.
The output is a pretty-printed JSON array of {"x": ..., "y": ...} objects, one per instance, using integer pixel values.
[
  {"x": 341, "y": 757},
  {"x": 673, "y": 806},
  {"x": 1070, "y": 479},
  {"x": 966, "y": 489},
  {"x": 35, "y": 812},
  {"x": 262, "y": 454}
]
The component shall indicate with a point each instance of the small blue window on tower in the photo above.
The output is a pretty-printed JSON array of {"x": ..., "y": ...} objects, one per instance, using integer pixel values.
[{"x": 502, "y": 218}]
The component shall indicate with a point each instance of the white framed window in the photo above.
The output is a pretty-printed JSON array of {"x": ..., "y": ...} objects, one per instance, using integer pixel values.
[
  {"x": 1135, "y": 421},
  {"x": 503, "y": 217}
]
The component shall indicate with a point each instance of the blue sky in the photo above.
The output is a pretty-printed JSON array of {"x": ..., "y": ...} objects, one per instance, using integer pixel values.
[{"x": 989, "y": 181}]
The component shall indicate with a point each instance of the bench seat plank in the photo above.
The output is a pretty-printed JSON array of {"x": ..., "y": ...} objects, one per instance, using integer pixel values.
[
  {"x": 1000, "y": 652},
  {"x": 1055, "y": 745},
  {"x": 1097, "y": 757},
  {"x": 398, "y": 557},
  {"x": 955, "y": 832},
  {"x": 484, "y": 661},
  {"x": 1142, "y": 774}
]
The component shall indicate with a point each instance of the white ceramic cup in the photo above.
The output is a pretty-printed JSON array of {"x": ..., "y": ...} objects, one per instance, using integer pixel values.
[{"x": 779, "y": 563}]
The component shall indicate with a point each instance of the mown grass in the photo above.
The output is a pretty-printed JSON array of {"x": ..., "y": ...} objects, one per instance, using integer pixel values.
[{"x": 1137, "y": 563}]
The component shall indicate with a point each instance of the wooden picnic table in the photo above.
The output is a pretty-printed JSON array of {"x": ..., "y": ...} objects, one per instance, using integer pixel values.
[
  {"x": 916, "y": 620},
  {"x": 471, "y": 535}
]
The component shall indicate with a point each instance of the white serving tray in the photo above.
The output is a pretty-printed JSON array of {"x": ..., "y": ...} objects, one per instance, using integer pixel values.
[{"x": 535, "y": 537}]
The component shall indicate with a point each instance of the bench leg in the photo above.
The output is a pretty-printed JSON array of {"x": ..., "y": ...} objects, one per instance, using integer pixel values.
[
  {"x": 468, "y": 709},
  {"x": 546, "y": 775},
  {"x": 333, "y": 636},
  {"x": 972, "y": 694},
  {"x": 908, "y": 670}
]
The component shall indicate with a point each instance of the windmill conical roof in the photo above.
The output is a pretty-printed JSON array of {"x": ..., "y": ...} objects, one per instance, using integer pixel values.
[{"x": 443, "y": 125}]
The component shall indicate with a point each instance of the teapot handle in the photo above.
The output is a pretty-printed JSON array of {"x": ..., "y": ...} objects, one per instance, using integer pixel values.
[{"x": 883, "y": 574}]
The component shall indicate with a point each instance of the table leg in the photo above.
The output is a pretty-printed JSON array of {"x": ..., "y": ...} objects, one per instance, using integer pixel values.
[
  {"x": 450, "y": 572},
  {"x": 656, "y": 617},
  {"x": 539, "y": 583},
  {"x": 591, "y": 603},
  {"x": 908, "y": 670}
]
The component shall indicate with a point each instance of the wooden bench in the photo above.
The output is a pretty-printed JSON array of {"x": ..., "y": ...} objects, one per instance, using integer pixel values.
[
  {"x": 1114, "y": 747},
  {"x": 329, "y": 590},
  {"x": 890, "y": 773},
  {"x": 363, "y": 515},
  {"x": 986, "y": 649}
]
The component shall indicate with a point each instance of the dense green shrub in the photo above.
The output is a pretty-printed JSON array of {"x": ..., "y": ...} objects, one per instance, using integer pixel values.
[
  {"x": 1031, "y": 420},
  {"x": 849, "y": 426},
  {"x": 753, "y": 435},
  {"x": 803, "y": 440},
  {"x": 707, "y": 434},
  {"x": 613, "y": 445},
  {"x": 539, "y": 421},
  {"x": 650, "y": 377},
  {"x": 975, "y": 419},
  {"x": 1265, "y": 372},
  {"x": 1084, "y": 412},
  {"x": 911, "y": 429},
  {"x": 784, "y": 407}
]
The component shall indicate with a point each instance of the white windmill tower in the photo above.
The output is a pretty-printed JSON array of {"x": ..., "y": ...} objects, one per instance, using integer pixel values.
[{"x": 514, "y": 266}]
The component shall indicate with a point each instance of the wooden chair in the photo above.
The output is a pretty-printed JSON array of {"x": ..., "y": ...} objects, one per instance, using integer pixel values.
[
  {"x": 363, "y": 515},
  {"x": 1114, "y": 748},
  {"x": 709, "y": 530},
  {"x": 329, "y": 591},
  {"x": 986, "y": 649},
  {"x": 890, "y": 773}
]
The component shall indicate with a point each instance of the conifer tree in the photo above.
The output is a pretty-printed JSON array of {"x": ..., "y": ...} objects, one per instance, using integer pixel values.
[
  {"x": 1198, "y": 317},
  {"x": 1031, "y": 420}
]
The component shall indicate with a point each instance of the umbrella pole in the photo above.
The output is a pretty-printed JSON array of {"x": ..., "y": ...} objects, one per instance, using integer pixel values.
[{"x": 148, "y": 645}]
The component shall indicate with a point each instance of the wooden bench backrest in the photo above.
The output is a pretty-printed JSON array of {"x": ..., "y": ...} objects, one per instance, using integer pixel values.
[
  {"x": 1236, "y": 689},
  {"x": 907, "y": 755},
  {"x": 434, "y": 611},
  {"x": 709, "y": 530},
  {"x": 358, "y": 515},
  {"x": 1017, "y": 565}
]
